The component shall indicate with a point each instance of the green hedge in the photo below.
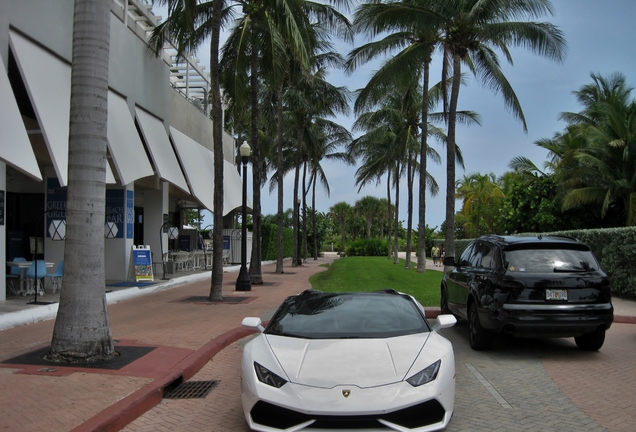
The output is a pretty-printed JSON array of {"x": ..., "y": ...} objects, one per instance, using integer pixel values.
[
  {"x": 269, "y": 234},
  {"x": 367, "y": 247},
  {"x": 615, "y": 248}
]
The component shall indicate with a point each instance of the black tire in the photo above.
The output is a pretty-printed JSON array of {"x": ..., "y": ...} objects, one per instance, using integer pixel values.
[
  {"x": 478, "y": 337},
  {"x": 590, "y": 341},
  {"x": 444, "y": 301}
]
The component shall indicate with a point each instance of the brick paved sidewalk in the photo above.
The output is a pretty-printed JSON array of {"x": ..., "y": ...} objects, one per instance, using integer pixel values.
[{"x": 186, "y": 333}]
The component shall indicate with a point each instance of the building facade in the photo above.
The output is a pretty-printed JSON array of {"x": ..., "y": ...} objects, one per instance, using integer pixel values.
[{"x": 160, "y": 159}]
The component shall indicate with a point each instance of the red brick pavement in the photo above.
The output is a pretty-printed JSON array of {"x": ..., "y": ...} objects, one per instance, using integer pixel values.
[
  {"x": 601, "y": 384},
  {"x": 83, "y": 399},
  {"x": 197, "y": 342}
]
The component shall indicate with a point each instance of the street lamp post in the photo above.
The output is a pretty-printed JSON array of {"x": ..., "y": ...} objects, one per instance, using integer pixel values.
[
  {"x": 243, "y": 282},
  {"x": 300, "y": 237}
]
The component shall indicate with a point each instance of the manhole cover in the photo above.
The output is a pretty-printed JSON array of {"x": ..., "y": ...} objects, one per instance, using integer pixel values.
[{"x": 191, "y": 389}]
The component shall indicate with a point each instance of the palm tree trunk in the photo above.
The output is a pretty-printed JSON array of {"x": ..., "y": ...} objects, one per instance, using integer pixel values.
[
  {"x": 216, "y": 283},
  {"x": 255, "y": 271},
  {"x": 449, "y": 243},
  {"x": 390, "y": 218},
  {"x": 82, "y": 331},
  {"x": 313, "y": 219},
  {"x": 421, "y": 229},
  {"x": 396, "y": 243},
  {"x": 279, "y": 178},
  {"x": 409, "y": 205},
  {"x": 304, "y": 236},
  {"x": 296, "y": 213}
]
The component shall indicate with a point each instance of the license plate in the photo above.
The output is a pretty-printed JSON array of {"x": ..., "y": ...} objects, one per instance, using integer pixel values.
[{"x": 556, "y": 294}]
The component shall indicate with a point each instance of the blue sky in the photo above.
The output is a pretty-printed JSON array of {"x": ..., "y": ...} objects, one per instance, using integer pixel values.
[{"x": 601, "y": 39}]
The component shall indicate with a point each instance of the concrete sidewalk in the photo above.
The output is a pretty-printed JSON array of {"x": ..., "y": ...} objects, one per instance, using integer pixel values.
[{"x": 168, "y": 331}]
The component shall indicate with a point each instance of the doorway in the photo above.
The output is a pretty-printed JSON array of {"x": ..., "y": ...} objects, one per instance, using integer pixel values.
[{"x": 139, "y": 226}]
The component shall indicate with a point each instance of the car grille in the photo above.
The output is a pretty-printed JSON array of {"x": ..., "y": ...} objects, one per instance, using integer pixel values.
[{"x": 273, "y": 416}]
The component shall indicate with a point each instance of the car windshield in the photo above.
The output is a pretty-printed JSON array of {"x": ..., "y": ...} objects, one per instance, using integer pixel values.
[
  {"x": 340, "y": 316},
  {"x": 548, "y": 260}
]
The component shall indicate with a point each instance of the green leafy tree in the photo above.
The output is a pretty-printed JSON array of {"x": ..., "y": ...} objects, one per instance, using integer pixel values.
[{"x": 481, "y": 195}]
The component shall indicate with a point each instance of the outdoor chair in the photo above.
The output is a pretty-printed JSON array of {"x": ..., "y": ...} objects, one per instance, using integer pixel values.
[
  {"x": 180, "y": 260},
  {"x": 226, "y": 256},
  {"x": 36, "y": 284},
  {"x": 13, "y": 277},
  {"x": 55, "y": 278}
]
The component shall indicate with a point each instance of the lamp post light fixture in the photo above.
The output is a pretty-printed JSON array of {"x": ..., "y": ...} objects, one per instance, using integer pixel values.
[{"x": 243, "y": 282}]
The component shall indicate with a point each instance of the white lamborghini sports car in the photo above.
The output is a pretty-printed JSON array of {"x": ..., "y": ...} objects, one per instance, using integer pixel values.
[{"x": 348, "y": 361}]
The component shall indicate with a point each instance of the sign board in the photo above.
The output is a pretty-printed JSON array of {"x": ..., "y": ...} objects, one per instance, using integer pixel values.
[{"x": 142, "y": 262}]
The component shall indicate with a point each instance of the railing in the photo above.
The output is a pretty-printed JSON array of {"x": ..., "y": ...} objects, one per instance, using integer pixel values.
[{"x": 186, "y": 75}]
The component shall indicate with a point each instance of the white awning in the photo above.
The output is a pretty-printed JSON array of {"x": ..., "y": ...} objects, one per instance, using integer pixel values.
[
  {"x": 198, "y": 163},
  {"x": 48, "y": 82},
  {"x": 160, "y": 149},
  {"x": 15, "y": 147},
  {"x": 126, "y": 148}
]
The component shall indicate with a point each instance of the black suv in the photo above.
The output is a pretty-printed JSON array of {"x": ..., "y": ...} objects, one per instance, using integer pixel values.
[{"x": 548, "y": 286}]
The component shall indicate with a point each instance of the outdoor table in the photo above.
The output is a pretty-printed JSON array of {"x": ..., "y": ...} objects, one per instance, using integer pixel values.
[{"x": 24, "y": 267}]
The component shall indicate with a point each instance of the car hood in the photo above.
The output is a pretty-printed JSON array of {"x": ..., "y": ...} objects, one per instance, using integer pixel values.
[{"x": 364, "y": 363}]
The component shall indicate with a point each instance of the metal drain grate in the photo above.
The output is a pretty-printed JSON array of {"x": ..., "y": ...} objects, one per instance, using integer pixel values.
[{"x": 191, "y": 389}]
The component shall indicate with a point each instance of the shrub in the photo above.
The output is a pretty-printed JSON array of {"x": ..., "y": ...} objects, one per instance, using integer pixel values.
[{"x": 367, "y": 247}]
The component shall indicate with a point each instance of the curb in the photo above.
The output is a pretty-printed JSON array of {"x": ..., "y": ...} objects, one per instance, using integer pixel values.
[{"x": 125, "y": 411}]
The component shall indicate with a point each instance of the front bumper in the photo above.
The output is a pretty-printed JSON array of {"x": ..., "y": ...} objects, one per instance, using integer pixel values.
[{"x": 393, "y": 407}]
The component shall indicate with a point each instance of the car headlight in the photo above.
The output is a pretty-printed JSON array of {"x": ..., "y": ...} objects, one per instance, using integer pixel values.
[
  {"x": 425, "y": 375},
  {"x": 268, "y": 377}
]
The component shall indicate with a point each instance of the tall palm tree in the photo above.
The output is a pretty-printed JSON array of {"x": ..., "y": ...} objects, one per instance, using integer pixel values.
[
  {"x": 263, "y": 39},
  {"x": 414, "y": 31},
  {"x": 189, "y": 24},
  {"x": 474, "y": 30},
  {"x": 603, "y": 169},
  {"x": 340, "y": 212},
  {"x": 325, "y": 138},
  {"x": 82, "y": 331}
]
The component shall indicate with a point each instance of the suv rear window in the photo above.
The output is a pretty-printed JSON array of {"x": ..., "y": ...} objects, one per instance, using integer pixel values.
[{"x": 549, "y": 260}]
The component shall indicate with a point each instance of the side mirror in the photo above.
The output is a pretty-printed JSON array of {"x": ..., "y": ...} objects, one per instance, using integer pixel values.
[
  {"x": 449, "y": 261},
  {"x": 254, "y": 323},
  {"x": 444, "y": 321}
]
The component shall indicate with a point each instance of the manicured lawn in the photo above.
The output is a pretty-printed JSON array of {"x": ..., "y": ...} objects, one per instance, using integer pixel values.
[{"x": 375, "y": 273}]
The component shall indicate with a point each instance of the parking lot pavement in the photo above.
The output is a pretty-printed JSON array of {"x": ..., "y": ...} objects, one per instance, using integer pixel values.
[
  {"x": 538, "y": 385},
  {"x": 522, "y": 384}
]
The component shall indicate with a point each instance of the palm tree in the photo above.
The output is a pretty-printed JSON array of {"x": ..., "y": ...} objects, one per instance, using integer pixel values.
[
  {"x": 478, "y": 191},
  {"x": 473, "y": 31},
  {"x": 340, "y": 212},
  {"x": 368, "y": 207},
  {"x": 325, "y": 137},
  {"x": 82, "y": 331},
  {"x": 603, "y": 169},
  {"x": 189, "y": 24},
  {"x": 263, "y": 40},
  {"x": 415, "y": 33}
]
